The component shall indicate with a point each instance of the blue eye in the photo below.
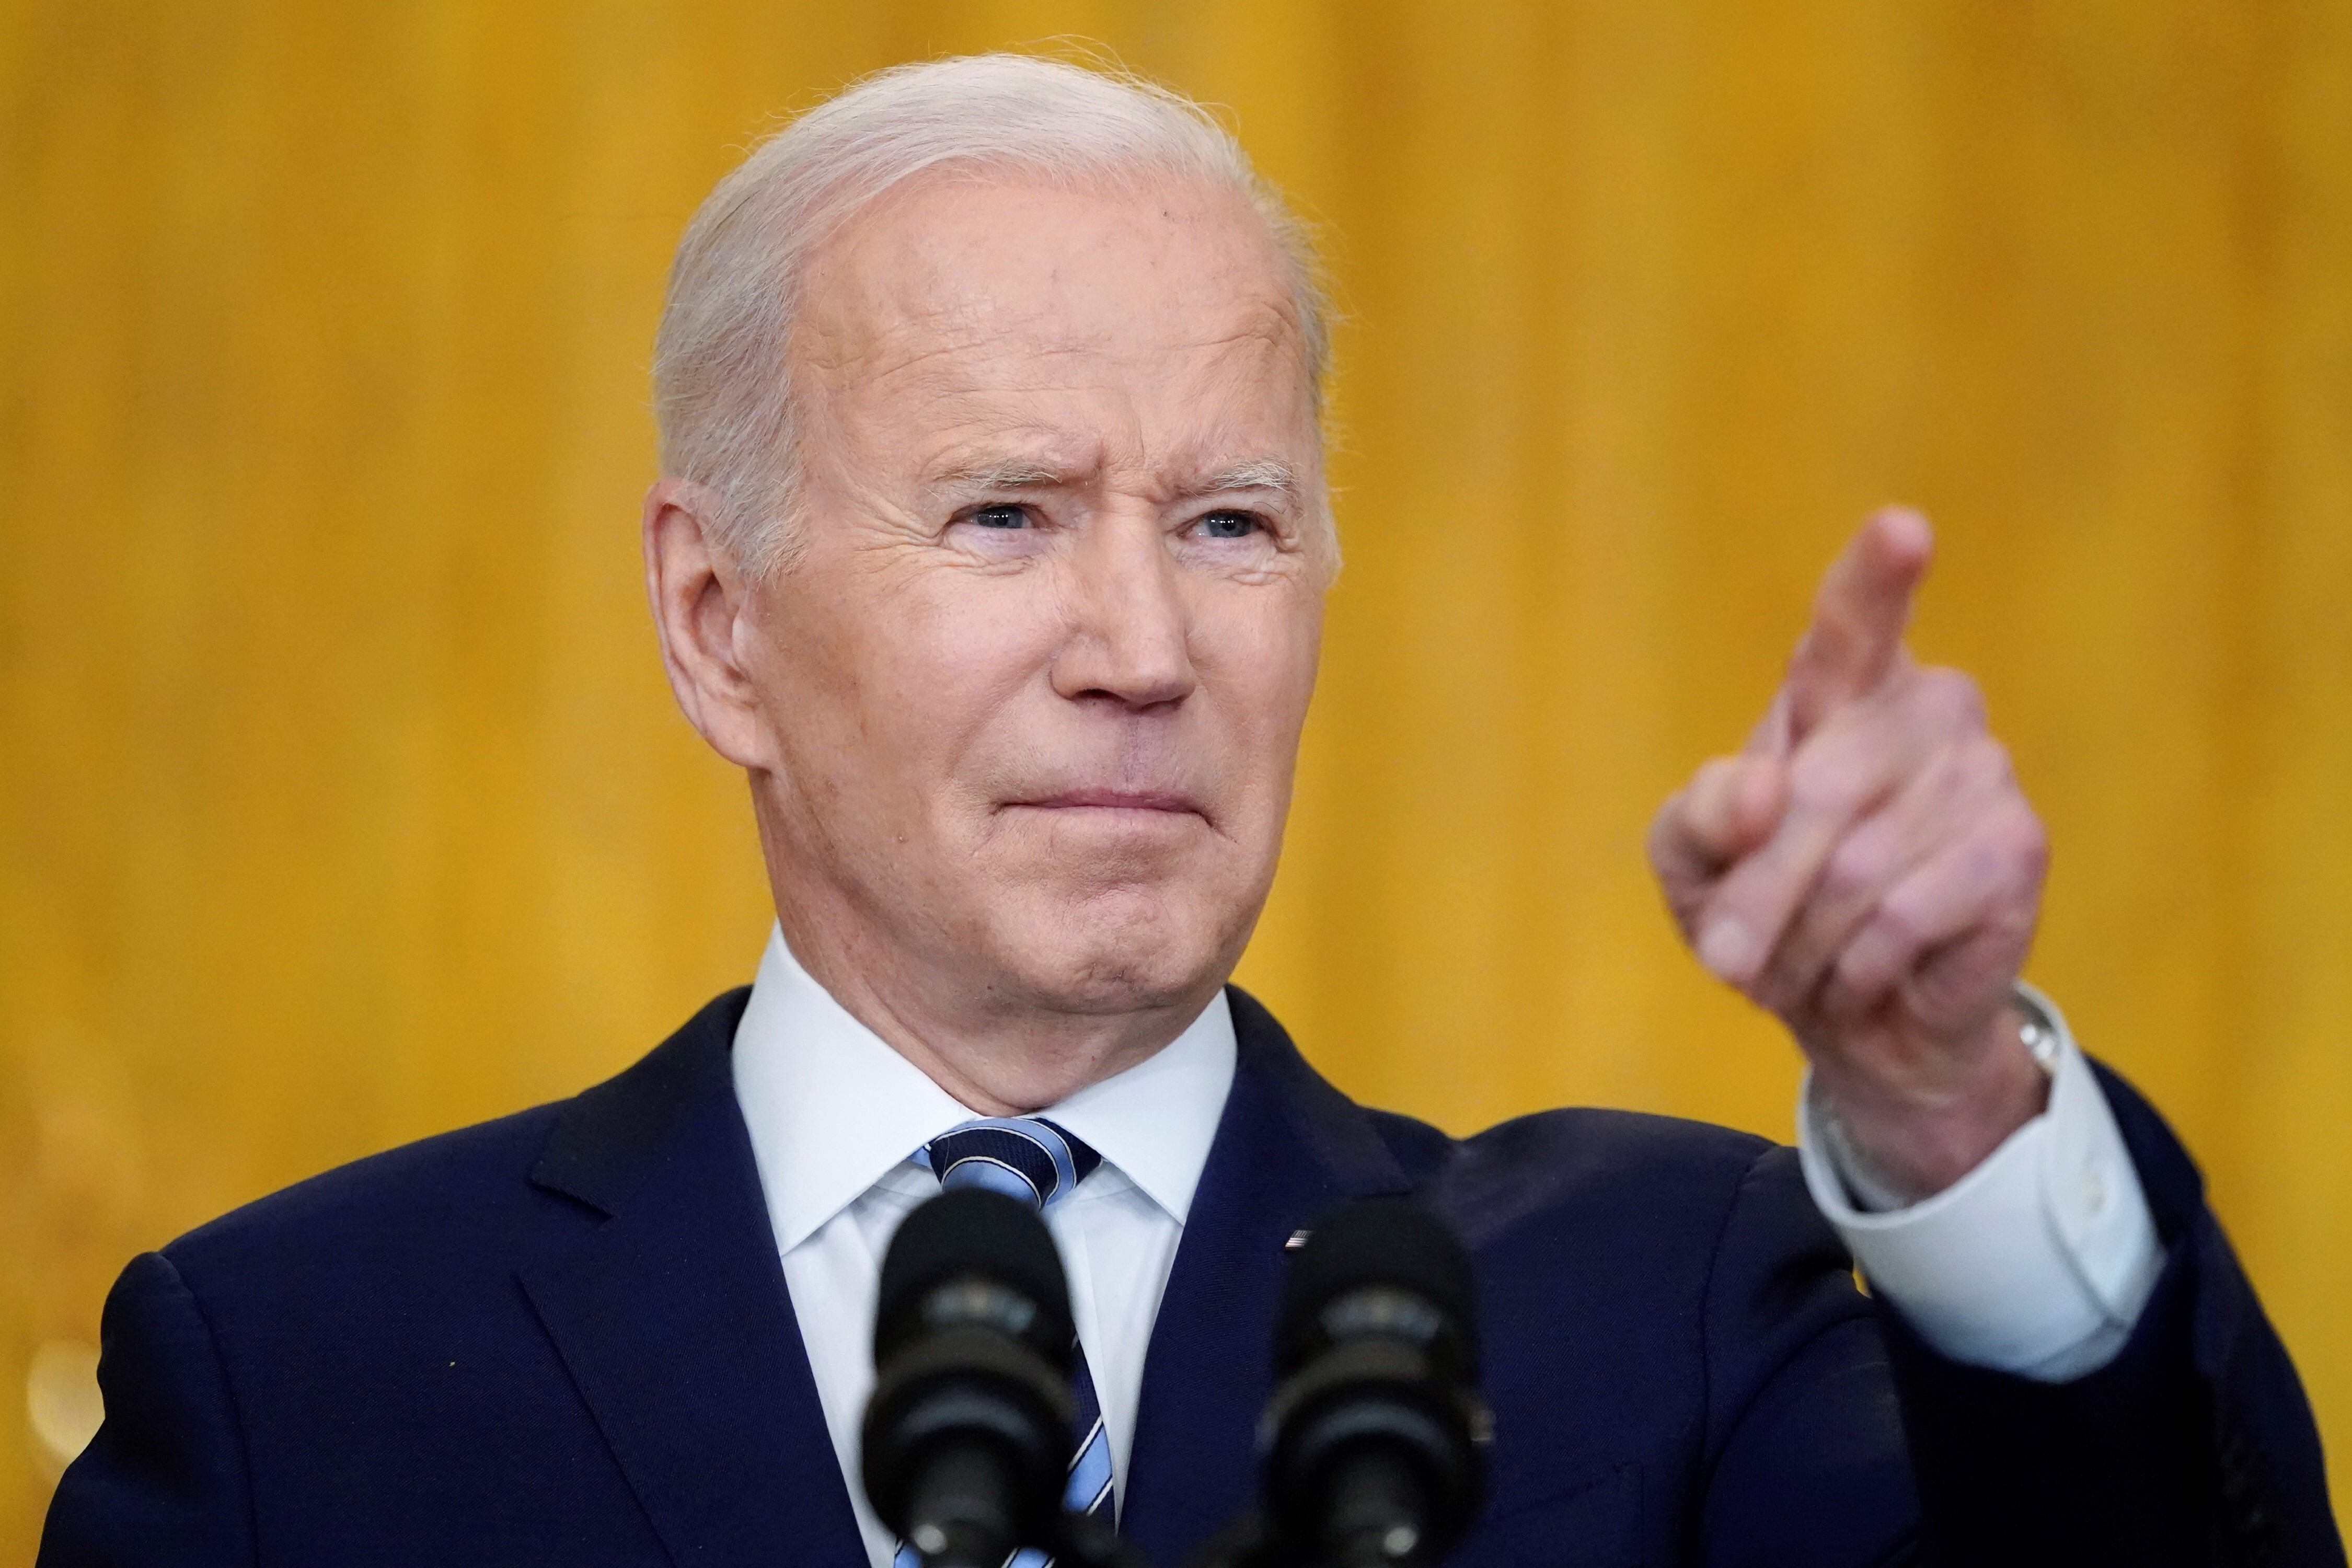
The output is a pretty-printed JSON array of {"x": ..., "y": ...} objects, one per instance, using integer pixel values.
[
  {"x": 1229, "y": 525},
  {"x": 1003, "y": 514}
]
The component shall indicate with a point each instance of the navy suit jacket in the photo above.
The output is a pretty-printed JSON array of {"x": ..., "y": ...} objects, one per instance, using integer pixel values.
[{"x": 564, "y": 1338}]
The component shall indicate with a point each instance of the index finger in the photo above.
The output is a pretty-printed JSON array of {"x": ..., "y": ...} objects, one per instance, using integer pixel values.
[{"x": 1858, "y": 616}]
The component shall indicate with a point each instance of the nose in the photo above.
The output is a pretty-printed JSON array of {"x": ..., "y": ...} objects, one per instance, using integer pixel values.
[{"x": 1130, "y": 638}]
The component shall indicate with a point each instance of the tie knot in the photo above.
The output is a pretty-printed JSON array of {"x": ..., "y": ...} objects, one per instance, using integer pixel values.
[{"x": 1025, "y": 1157}]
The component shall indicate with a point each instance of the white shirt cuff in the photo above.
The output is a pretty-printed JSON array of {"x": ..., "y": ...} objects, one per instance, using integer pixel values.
[{"x": 2037, "y": 1262}]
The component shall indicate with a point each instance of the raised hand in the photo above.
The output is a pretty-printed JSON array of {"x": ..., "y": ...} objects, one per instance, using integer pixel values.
[{"x": 1868, "y": 869}]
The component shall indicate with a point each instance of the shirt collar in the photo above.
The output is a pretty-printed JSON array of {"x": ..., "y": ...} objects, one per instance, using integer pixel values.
[{"x": 832, "y": 1108}]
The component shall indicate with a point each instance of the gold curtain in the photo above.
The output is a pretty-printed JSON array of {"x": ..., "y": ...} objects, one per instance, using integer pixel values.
[{"x": 340, "y": 799}]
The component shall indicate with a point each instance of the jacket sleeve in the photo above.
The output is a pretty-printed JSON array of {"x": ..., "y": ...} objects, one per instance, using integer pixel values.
[
  {"x": 164, "y": 1480},
  {"x": 1803, "y": 1461},
  {"x": 2195, "y": 1445}
]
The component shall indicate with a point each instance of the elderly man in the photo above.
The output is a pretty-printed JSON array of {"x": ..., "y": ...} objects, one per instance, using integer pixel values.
[{"x": 993, "y": 546}]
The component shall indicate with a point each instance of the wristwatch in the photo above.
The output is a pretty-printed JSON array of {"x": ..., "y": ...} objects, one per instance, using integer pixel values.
[{"x": 2038, "y": 1025}]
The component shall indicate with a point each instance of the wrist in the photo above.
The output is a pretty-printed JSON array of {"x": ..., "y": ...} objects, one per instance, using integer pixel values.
[{"x": 1912, "y": 1138}]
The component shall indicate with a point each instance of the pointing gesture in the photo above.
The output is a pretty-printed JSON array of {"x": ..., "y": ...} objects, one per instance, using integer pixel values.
[
  {"x": 1859, "y": 617},
  {"x": 1868, "y": 870}
]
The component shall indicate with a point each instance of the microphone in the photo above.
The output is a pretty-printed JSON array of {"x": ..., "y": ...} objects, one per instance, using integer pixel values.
[
  {"x": 967, "y": 1435},
  {"x": 1375, "y": 1443}
]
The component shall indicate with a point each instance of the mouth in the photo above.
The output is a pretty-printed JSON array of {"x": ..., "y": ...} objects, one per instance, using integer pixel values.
[{"x": 1166, "y": 802}]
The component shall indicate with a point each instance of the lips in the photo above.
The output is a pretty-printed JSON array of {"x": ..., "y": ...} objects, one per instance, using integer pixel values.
[{"x": 1169, "y": 801}]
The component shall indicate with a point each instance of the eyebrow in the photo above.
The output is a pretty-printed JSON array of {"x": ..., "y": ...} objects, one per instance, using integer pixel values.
[
  {"x": 1031, "y": 474},
  {"x": 1262, "y": 474},
  {"x": 998, "y": 476},
  {"x": 1004, "y": 473}
]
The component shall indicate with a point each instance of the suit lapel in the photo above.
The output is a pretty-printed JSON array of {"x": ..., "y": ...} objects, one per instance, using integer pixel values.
[
  {"x": 673, "y": 1317},
  {"x": 1289, "y": 1148}
]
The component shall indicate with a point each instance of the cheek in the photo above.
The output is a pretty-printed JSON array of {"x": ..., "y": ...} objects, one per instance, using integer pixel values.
[
  {"x": 1264, "y": 651},
  {"x": 939, "y": 662}
]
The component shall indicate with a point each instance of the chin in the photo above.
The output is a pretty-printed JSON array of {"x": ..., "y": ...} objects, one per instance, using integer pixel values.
[{"x": 1124, "y": 951}]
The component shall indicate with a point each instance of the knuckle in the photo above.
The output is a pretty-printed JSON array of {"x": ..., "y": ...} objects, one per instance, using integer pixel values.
[
  {"x": 1859, "y": 973},
  {"x": 1900, "y": 926},
  {"x": 1825, "y": 782},
  {"x": 1985, "y": 861},
  {"x": 1990, "y": 763},
  {"x": 1953, "y": 698},
  {"x": 2010, "y": 934},
  {"x": 2028, "y": 844},
  {"x": 1855, "y": 868}
]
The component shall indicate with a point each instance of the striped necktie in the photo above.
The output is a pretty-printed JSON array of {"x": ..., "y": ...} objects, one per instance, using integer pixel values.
[{"x": 1031, "y": 1159}]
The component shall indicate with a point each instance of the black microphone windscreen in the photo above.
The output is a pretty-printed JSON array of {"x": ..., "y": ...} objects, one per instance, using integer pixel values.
[
  {"x": 1388, "y": 1242},
  {"x": 973, "y": 1235}
]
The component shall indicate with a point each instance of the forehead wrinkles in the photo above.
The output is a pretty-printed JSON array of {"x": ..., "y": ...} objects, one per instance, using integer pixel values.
[
  {"x": 980, "y": 458},
  {"x": 1239, "y": 402},
  {"x": 1133, "y": 420},
  {"x": 978, "y": 341},
  {"x": 991, "y": 285}
]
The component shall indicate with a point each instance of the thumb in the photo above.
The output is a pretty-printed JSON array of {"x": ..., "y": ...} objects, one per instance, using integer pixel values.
[{"x": 1728, "y": 809}]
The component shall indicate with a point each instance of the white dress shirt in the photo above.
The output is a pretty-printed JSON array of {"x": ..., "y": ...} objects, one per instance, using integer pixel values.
[
  {"x": 836, "y": 1116},
  {"x": 2036, "y": 1262}
]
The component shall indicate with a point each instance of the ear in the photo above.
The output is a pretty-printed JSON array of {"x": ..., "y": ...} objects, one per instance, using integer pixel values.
[{"x": 701, "y": 612}]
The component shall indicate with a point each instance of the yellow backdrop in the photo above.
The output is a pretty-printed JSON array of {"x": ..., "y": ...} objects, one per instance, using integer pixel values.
[{"x": 340, "y": 799}]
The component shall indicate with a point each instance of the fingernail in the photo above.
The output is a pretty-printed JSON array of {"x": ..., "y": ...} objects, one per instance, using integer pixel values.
[{"x": 1727, "y": 949}]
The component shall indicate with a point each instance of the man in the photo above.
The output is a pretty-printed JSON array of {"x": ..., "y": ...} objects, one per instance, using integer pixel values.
[{"x": 992, "y": 545}]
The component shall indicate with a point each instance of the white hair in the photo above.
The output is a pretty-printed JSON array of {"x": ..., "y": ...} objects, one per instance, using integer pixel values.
[{"x": 722, "y": 396}]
